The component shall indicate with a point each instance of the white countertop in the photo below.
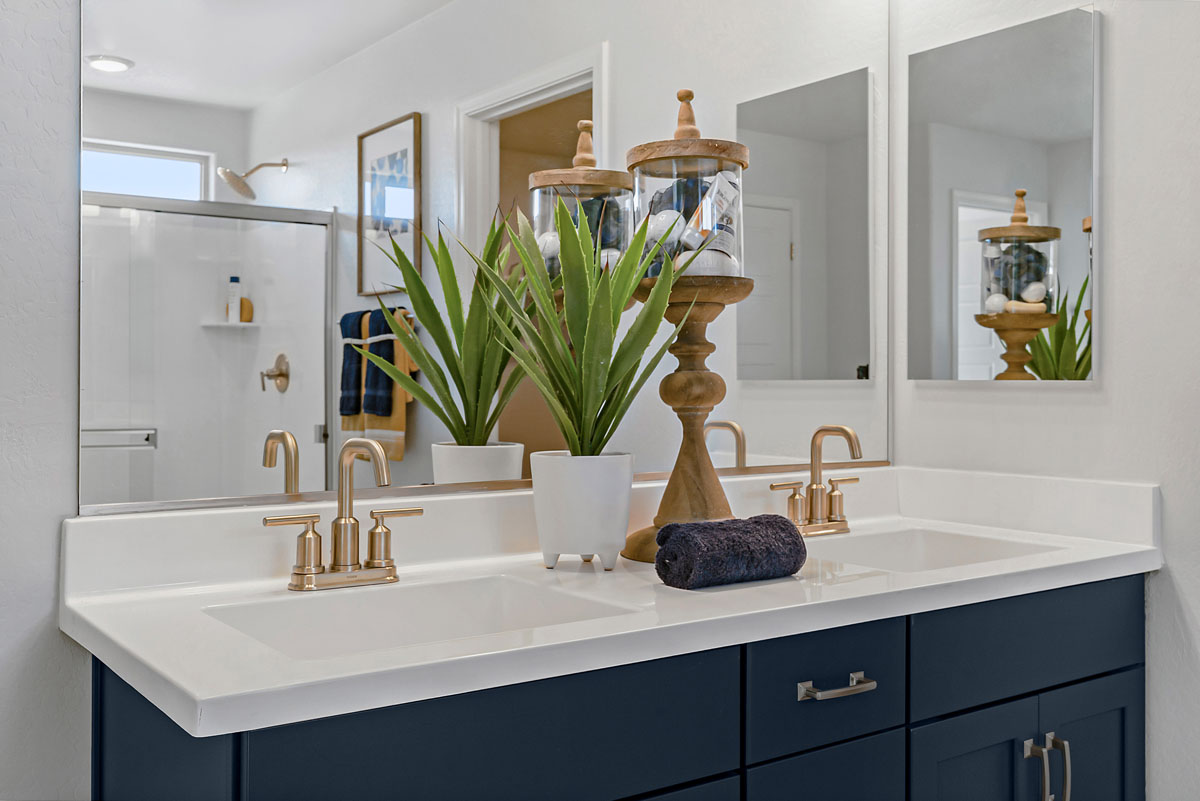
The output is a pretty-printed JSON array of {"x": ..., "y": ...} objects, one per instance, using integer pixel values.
[{"x": 169, "y": 633}]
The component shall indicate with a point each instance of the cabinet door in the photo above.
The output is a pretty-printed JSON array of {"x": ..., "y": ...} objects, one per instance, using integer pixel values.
[
  {"x": 727, "y": 789},
  {"x": 1103, "y": 723},
  {"x": 979, "y": 755},
  {"x": 867, "y": 768}
]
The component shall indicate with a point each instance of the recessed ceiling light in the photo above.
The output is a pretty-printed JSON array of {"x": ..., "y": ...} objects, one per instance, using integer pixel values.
[{"x": 109, "y": 63}]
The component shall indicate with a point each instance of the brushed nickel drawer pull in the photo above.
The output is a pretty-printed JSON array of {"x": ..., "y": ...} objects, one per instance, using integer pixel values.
[
  {"x": 1038, "y": 752},
  {"x": 858, "y": 684},
  {"x": 1058, "y": 744}
]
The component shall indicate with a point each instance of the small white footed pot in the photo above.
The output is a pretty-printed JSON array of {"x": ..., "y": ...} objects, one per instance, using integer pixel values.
[
  {"x": 581, "y": 504},
  {"x": 456, "y": 464}
]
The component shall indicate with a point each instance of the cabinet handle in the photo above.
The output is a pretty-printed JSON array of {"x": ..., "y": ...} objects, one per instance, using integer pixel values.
[
  {"x": 858, "y": 684},
  {"x": 1058, "y": 744},
  {"x": 1038, "y": 752}
]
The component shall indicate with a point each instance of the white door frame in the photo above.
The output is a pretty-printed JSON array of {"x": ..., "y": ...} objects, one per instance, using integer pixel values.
[
  {"x": 792, "y": 206},
  {"x": 477, "y": 129},
  {"x": 1039, "y": 212}
]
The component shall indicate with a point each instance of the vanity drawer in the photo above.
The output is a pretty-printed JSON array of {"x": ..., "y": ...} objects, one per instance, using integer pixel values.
[
  {"x": 868, "y": 768},
  {"x": 777, "y": 723},
  {"x": 591, "y": 736},
  {"x": 727, "y": 789},
  {"x": 972, "y": 655}
]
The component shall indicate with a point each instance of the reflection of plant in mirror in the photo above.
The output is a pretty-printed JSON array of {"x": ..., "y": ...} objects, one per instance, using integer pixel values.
[
  {"x": 568, "y": 350},
  {"x": 470, "y": 400},
  {"x": 1056, "y": 353}
]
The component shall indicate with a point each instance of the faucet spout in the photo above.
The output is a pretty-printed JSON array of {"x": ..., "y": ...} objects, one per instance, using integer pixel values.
[
  {"x": 739, "y": 438},
  {"x": 845, "y": 432},
  {"x": 345, "y": 526},
  {"x": 291, "y": 458},
  {"x": 351, "y": 449}
]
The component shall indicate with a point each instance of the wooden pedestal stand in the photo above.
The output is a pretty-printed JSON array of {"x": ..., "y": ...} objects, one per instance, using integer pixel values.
[
  {"x": 693, "y": 492},
  {"x": 1016, "y": 330}
]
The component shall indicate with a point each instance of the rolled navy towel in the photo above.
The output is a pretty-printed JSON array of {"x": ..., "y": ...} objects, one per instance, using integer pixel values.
[{"x": 695, "y": 555}]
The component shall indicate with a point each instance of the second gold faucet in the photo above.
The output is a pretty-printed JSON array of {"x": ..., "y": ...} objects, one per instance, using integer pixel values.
[{"x": 821, "y": 510}]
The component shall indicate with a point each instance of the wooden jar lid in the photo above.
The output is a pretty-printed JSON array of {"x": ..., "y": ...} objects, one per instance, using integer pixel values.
[
  {"x": 686, "y": 143},
  {"x": 583, "y": 172},
  {"x": 1020, "y": 229}
]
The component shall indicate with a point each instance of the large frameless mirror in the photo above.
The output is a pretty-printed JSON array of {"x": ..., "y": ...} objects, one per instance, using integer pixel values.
[
  {"x": 232, "y": 207},
  {"x": 1000, "y": 155}
]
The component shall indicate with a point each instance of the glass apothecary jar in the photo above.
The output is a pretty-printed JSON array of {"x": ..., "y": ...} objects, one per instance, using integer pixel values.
[
  {"x": 1019, "y": 265},
  {"x": 603, "y": 197},
  {"x": 691, "y": 190}
]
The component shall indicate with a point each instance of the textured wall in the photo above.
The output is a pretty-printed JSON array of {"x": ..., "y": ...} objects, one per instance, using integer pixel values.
[
  {"x": 1138, "y": 420},
  {"x": 44, "y": 742}
]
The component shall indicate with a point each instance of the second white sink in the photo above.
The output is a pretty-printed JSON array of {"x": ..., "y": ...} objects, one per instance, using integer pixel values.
[
  {"x": 918, "y": 550},
  {"x": 336, "y": 622}
]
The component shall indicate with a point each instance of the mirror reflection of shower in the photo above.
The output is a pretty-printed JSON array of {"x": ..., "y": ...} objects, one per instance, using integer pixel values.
[{"x": 238, "y": 182}]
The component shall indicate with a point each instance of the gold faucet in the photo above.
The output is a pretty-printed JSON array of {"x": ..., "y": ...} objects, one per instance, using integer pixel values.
[
  {"x": 344, "y": 568},
  {"x": 739, "y": 438},
  {"x": 821, "y": 510},
  {"x": 291, "y": 458}
]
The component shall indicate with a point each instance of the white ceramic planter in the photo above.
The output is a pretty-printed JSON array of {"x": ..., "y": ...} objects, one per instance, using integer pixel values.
[
  {"x": 581, "y": 504},
  {"x": 456, "y": 464}
]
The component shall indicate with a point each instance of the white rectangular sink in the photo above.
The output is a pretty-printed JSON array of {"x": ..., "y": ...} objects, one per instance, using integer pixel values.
[
  {"x": 918, "y": 550},
  {"x": 336, "y": 622}
]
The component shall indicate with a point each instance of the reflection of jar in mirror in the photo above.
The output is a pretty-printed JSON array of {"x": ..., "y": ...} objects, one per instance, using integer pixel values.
[
  {"x": 603, "y": 197},
  {"x": 690, "y": 192},
  {"x": 1019, "y": 265}
]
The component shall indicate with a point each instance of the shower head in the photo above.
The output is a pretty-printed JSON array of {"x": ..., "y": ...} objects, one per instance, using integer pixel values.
[{"x": 238, "y": 182}]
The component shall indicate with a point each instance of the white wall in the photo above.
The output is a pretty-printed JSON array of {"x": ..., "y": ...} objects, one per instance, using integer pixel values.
[
  {"x": 143, "y": 120},
  {"x": 782, "y": 45},
  {"x": 1137, "y": 421},
  {"x": 44, "y": 680}
]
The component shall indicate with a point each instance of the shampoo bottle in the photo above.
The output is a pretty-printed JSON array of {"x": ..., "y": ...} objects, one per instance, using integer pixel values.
[{"x": 233, "y": 300}]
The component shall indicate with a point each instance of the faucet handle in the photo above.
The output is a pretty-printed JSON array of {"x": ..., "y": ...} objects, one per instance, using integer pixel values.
[
  {"x": 795, "y": 501},
  {"x": 308, "y": 542},
  {"x": 380, "y": 515},
  {"x": 379, "y": 538},
  {"x": 837, "y": 505}
]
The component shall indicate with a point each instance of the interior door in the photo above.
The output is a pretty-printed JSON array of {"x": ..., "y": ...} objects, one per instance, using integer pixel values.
[
  {"x": 766, "y": 331},
  {"x": 1101, "y": 724}
]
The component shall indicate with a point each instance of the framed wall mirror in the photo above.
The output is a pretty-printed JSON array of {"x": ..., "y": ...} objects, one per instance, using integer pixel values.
[
  {"x": 1001, "y": 149},
  {"x": 196, "y": 173}
]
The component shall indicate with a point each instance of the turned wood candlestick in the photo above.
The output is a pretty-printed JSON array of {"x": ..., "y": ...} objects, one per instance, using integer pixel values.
[
  {"x": 693, "y": 491},
  {"x": 1016, "y": 330}
]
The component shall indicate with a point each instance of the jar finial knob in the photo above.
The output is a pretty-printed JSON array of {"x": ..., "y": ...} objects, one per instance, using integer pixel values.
[
  {"x": 686, "y": 127},
  {"x": 584, "y": 154},
  {"x": 1019, "y": 215}
]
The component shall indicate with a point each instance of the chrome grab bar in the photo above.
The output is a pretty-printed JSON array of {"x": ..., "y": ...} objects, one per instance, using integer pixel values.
[{"x": 123, "y": 438}]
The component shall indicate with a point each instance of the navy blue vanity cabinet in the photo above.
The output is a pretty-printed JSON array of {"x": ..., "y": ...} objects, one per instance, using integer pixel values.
[
  {"x": 929, "y": 707},
  {"x": 727, "y": 789},
  {"x": 595, "y": 736},
  {"x": 1103, "y": 724},
  {"x": 979, "y": 755},
  {"x": 867, "y": 769},
  {"x": 781, "y": 720}
]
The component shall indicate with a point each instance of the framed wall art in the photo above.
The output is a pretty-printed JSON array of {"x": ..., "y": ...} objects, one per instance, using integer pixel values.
[{"x": 389, "y": 207}]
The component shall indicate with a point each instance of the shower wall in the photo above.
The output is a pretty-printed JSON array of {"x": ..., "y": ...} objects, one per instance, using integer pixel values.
[{"x": 156, "y": 353}]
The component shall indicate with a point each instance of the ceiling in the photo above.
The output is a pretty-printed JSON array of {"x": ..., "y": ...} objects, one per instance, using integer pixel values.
[
  {"x": 1031, "y": 81},
  {"x": 824, "y": 111},
  {"x": 233, "y": 52}
]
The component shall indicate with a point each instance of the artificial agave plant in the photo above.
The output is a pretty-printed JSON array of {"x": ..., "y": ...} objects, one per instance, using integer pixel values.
[
  {"x": 570, "y": 350},
  {"x": 471, "y": 392},
  {"x": 1057, "y": 353}
]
